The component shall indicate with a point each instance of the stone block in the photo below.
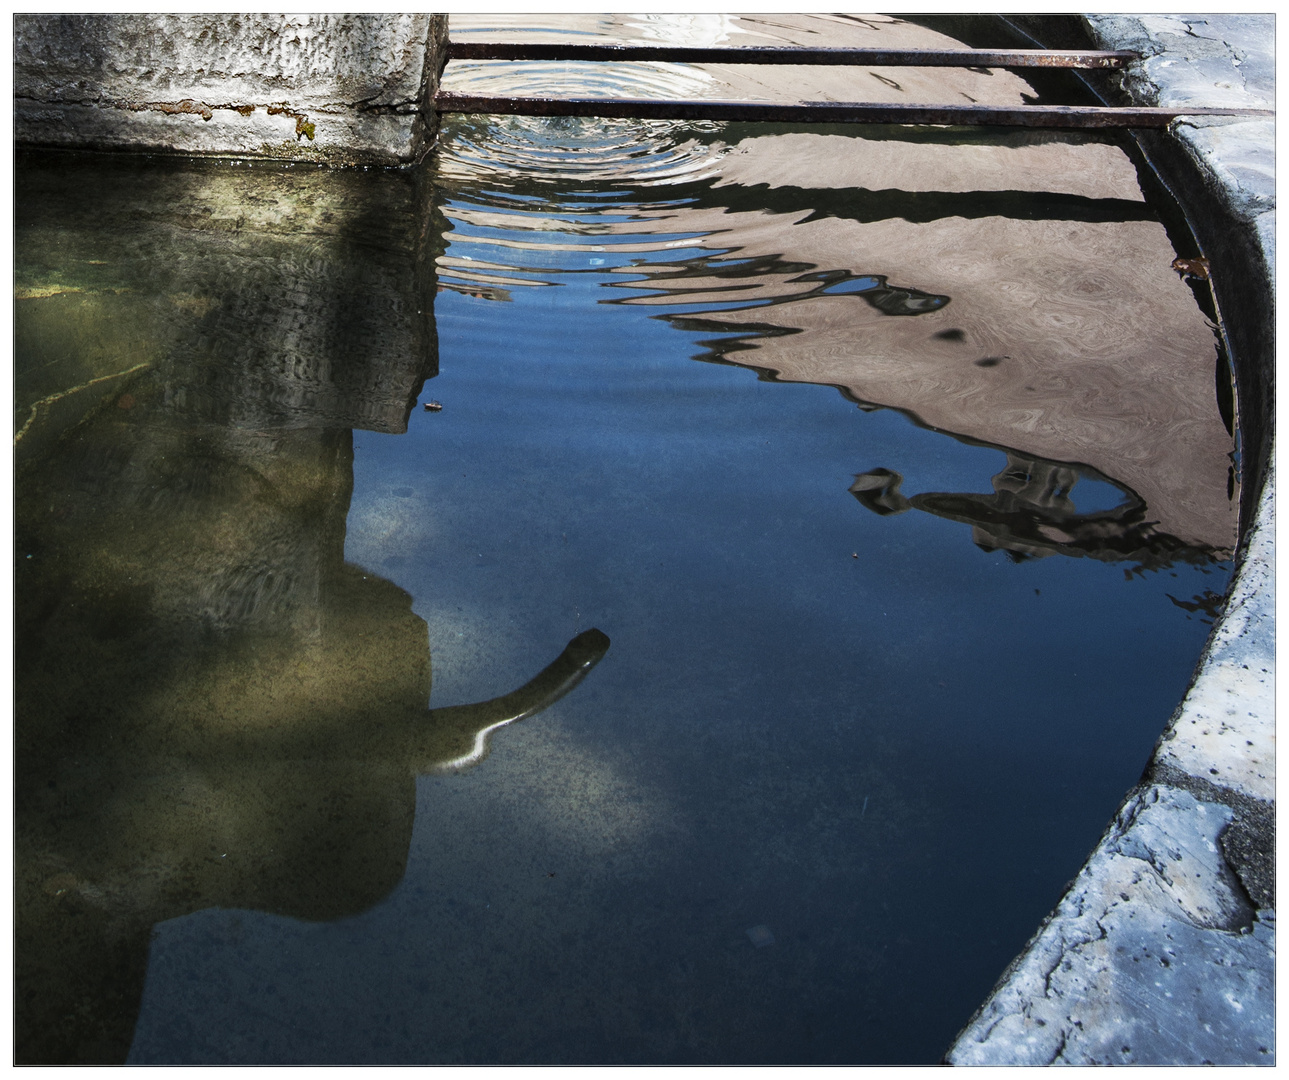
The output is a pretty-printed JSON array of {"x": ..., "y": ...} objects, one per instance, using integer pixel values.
[{"x": 339, "y": 88}]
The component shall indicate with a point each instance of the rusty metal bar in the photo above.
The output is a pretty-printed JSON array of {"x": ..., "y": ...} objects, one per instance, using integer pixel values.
[
  {"x": 985, "y": 58},
  {"x": 832, "y": 112}
]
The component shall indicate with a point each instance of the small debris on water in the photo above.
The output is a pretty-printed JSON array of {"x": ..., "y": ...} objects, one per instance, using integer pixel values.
[
  {"x": 59, "y": 884},
  {"x": 125, "y": 401},
  {"x": 433, "y": 406},
  {"x": 760, "y": 935}
]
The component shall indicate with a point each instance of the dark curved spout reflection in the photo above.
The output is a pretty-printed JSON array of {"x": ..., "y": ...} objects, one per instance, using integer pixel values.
[{"x": 455, "y": 725}]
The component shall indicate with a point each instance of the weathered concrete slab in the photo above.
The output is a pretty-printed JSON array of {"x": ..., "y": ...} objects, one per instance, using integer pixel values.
[
  {"x": 1215, "y": 60},
  {"x": 341, "y": 88},
  {"x": 1226, "y": 60},
  {"x": 1153, "y": 957},
  {"x": 1163, "y": 950}
]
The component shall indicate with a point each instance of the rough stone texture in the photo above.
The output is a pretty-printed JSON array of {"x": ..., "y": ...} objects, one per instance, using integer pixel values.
[
  {"x": 1153, "y": 956},
  {"x": 1163, "y": 950},
  {"x": 1224, "y": 731},
  {"x": 1211, "y": 60},
  {"x": 329, "y": 87}
]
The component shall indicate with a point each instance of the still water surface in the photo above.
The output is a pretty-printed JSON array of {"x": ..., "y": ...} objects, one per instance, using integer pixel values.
[{"x": 899, "y": 544}]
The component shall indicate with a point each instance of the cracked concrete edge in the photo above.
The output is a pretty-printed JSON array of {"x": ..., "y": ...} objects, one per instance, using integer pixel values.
[
  {"x": 1133, "y": 966},
  {"x": 1222, "y": 737},
  {"x": 339, "y": 89},
  {"x": 1223, "y": 733},
  {"x": 1154, "y": 956}
]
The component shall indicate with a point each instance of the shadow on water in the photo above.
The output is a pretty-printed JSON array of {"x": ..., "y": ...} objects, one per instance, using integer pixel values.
[{"x": 213, "y": 708}]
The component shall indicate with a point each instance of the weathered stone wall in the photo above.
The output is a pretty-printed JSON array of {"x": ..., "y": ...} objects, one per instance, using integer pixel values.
[{"x": 341, "y": 88}]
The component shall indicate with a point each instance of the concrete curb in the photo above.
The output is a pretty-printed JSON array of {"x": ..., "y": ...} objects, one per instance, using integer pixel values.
[{"x": 1163, "y": 949}]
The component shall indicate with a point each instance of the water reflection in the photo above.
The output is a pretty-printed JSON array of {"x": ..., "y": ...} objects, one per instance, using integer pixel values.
[
  {"x": 1031, "y": 514},
  {"x": 1018, "y": 266},
  {"x": 213, "y": 708},
  {"x": 761, "y": 281}
]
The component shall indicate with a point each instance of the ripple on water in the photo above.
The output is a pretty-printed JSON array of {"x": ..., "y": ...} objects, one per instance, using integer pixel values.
[
  {"x": 638, "y": 151},
  {"x": 502, "y": 149}
]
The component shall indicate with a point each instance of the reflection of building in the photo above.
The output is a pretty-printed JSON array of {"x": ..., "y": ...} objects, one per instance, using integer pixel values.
[
  {"x": 1040, "y": 312},
  {"x": 1069, "y": 340},
  {"x": 1036, "y": 306},
  {"x": 1066, "y": 336},
  {"x": 256, "y": 295},
  {"x": 212, "y": 708},
  {"x": 1031, "y": 515}
]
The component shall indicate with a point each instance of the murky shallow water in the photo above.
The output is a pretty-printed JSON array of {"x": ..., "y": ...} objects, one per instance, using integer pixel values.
[{"x": 878, "y": 675}]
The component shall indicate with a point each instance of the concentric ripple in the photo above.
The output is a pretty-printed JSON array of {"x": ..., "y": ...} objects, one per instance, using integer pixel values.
[
  {"x": 500, "y": 149},
  {"x": 638, "y": 151}
]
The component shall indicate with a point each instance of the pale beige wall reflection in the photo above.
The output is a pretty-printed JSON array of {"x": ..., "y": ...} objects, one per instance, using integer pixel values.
[{"x": 1072, "y": 340}]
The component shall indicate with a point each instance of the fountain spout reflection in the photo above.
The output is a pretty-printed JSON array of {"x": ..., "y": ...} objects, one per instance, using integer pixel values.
[
  {"x": 214, "y": 711},
  {"x": 450, "y": 726}
]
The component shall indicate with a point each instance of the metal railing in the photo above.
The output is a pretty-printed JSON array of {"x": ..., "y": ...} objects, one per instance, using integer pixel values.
[
  {"x": 816, "y": 112},
  {"x": 677, "y": 54}
]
